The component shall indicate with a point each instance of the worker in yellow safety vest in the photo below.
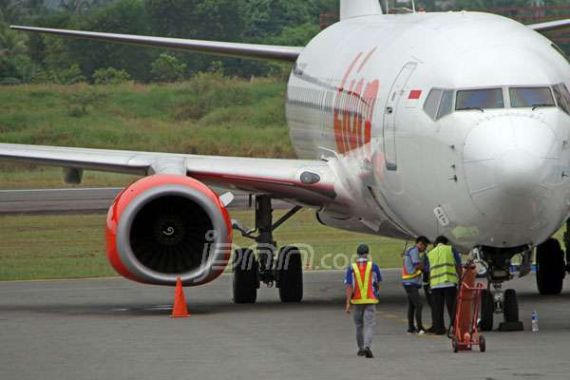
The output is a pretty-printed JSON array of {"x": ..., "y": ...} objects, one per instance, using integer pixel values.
[
  {"x": 412, "y": 279},
  {"x": 444, "y": 272},
  {"x": 362, "y": 284}
]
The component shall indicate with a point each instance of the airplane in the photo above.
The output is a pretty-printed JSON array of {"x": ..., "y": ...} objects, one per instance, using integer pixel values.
[{"x": 454, "y": 124}]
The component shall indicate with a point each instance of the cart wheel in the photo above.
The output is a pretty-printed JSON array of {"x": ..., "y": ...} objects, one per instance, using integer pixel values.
[
  {"x": 454, "y": 344},
  {"x": 482, "y": 344}
]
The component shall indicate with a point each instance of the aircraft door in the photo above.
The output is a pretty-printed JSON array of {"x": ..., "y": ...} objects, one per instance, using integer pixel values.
[{"x": 391, "y": 112}]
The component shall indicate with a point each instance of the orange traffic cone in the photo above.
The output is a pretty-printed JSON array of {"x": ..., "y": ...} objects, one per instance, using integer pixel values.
[{"x": 179, "y": 310}]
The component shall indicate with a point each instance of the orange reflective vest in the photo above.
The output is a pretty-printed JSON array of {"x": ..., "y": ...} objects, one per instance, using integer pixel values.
[
  {"x": 363, "y": 293},
  {"x": 405, "y": 274}
]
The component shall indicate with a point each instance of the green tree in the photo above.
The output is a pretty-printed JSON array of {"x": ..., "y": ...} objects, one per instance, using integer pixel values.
[
  {"x": 266, "y": 18},
  {"x": 110, "y": 76},
  {"x": 125, "y": 16},
  {"x": 216, "y": 20},
  {"x": 15, "y": 64},
  {"x": 167, "y": 68}
]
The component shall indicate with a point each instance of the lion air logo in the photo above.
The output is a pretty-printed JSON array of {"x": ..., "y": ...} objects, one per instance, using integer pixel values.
[{"x": 354, "y": 106}]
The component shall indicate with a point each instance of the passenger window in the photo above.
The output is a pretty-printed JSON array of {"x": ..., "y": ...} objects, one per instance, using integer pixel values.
[
  {"x": 562, "y": 97},
  {"x": 432, "y": 103},
  {"x": 531, "y": 97},
  {"x": 479, "y": 99},
  {"x": 446, "y": 106}
]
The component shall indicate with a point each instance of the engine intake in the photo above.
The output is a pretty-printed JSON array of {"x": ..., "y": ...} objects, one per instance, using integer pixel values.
[{"x": 164, "y": 227}]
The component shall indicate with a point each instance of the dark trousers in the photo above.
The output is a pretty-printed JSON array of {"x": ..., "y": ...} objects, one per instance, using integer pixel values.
[
  {"x": 441, "y": 297},
  {"x": 429, "y": 298},
  {"x": 414, "y": 306}
]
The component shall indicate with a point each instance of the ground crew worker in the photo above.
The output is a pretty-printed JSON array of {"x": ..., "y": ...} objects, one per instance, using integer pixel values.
[
  {"x": 412, "y": 279},
  {"x": 425, "y": 275},
  {"x": 362, "y": 285},
  {"x": 445, "y": 270}
]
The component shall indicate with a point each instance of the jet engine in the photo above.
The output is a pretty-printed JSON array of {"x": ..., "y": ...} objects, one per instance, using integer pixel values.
[{"x": 165, "y": 226}]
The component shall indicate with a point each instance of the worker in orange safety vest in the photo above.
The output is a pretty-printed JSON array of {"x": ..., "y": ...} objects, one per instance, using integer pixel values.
[{"x": 362, "y": 284}]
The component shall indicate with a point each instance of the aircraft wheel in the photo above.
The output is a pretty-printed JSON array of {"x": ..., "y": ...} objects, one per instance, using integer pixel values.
[
  {"x": 290, "y": 274},
  {"x": 245, "y": 281},
  {"x": 550, "y": 267},
  {"x": 511, "y": 306},
  {"x": 482, "y": 344},
  {"x": 487, "y": 310}
]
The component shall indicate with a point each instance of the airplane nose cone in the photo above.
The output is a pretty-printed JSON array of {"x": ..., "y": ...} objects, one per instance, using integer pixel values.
[
  {"x": 519, "y": 172},
  {"x": 511, "y": 165}
]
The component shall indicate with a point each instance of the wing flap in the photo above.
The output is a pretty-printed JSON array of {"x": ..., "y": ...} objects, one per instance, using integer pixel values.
[{"x": 230, "y": 49}]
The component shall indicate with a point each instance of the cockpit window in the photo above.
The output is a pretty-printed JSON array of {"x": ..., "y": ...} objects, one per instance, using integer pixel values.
[
  {"x": 562, "y": 96},
  {"x": 446, "y": 106},
  {"x": 439, "y": 103},
  {"x": 432, "y": 102},
  {"x": 531, "y": 97},
  {"x": 479, "y": 99}
]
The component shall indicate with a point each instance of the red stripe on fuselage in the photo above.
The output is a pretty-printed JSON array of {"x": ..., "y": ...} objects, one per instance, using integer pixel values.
[
  {"x": 354, "y": 108},
  {"x": 338, "y": 120}
]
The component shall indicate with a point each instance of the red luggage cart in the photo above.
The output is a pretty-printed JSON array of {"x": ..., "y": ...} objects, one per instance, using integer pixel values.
[{"x": 464, "y": 333}]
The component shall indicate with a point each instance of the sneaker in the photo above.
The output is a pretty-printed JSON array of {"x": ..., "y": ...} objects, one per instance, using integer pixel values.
[
  {"x": 361, "y": 352},
  {"x": 412, "y": 330},
  {"x": 421, "y": 332},
  {"x": 368, "y": 353}
]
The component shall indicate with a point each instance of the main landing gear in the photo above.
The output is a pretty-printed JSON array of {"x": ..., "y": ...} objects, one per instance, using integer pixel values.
[
  {"x": 495, "y": 265},
  {"x": 550, "y": 267},
  {"x": 250, "y": 270}
]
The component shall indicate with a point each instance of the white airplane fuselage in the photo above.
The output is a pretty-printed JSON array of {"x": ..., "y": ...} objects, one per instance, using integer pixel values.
[{"x": 494, "y": 177}]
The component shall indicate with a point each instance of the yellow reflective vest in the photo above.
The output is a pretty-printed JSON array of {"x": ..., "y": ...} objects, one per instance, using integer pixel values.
[{"x": 442, "y": 266}]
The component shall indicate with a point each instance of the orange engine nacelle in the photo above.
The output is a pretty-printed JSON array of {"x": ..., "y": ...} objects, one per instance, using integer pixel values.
[{"x": 167, "y": 226}]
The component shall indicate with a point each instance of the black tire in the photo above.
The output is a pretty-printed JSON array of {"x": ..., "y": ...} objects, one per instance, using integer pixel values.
[
  {"x": 550, "y": 267},
  {"x": 511, "y": 306},
  {"x": 454, "y": 345},
  {"x": 245, "y": 281},
  {"x": 290, "y": 274},
  {"x": 487, "y": 311},
  {"x": 482, "y": 344}
]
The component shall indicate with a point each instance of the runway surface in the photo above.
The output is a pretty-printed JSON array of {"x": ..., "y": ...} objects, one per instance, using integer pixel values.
[
  {"x": 115, "y": 329},
  {"x": 82, "y": 200}
]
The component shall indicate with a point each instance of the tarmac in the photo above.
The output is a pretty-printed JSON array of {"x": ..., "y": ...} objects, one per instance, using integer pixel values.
[{"x": 116, "y": 329}]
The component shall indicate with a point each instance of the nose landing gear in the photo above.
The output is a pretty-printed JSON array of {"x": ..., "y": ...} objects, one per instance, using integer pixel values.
[{"x": 495, "y": 266}]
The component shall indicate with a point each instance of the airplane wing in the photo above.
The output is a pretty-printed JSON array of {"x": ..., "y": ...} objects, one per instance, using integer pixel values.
[
  {"x": 307, "y": 182},
  {"x": 550, "y": 25},
  {"x": 230, "y": 49}
]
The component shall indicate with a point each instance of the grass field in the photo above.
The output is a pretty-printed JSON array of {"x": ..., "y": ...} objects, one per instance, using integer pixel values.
[
  {"x": 206, "y": 115},
  {"x": 72, "y": 246}
]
